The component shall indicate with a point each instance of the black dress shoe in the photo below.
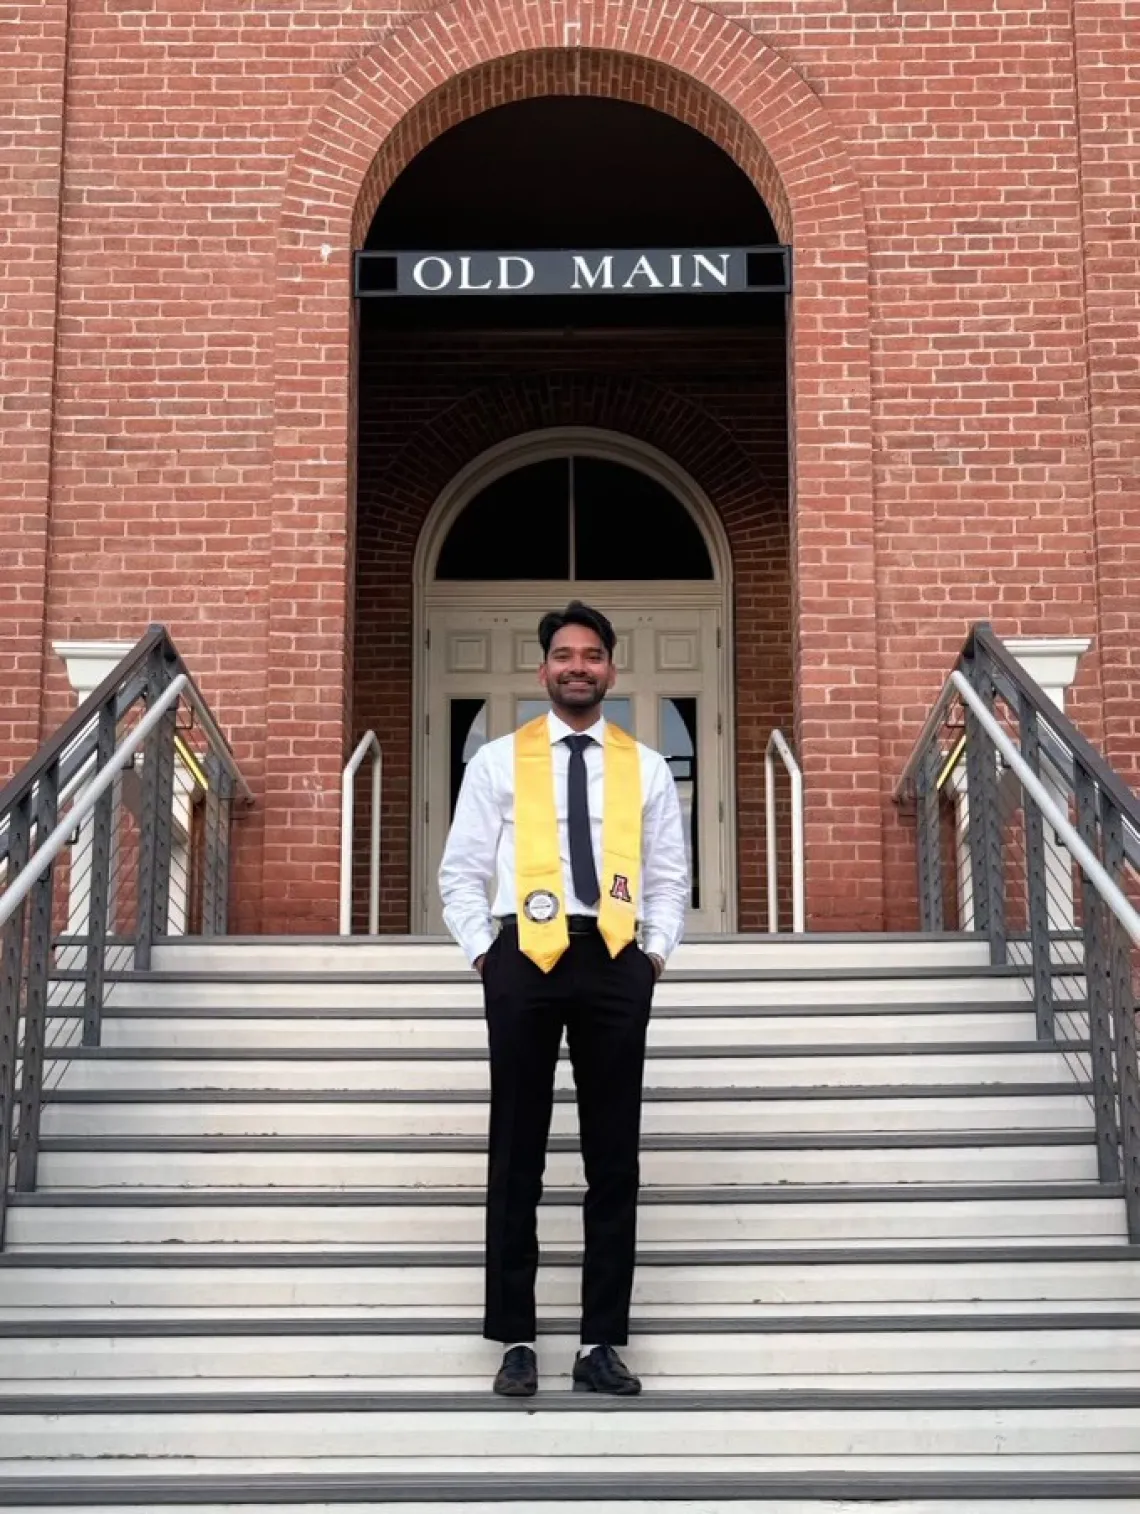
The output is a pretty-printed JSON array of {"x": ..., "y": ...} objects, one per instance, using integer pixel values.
[
  {"x": 603, "y": 1371},
  {"x": 518, "y": 1376}
]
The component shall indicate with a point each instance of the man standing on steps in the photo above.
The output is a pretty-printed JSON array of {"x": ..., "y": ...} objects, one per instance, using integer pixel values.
[{"x": 577, "y": 829}]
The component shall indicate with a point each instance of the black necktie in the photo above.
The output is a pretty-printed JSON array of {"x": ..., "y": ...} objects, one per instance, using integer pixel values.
[{"x": 582, "y": 869}]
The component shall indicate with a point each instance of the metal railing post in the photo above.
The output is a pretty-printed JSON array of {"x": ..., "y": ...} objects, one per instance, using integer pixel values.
[
  {"x": 216, "y": 862},
  {"x": 777, "y": 744},
  {"x": 368, "y": 742},
  {"x": 39, "y": 907},
  {"x": 1124, "y": 1018},
  {"x": 212, "y": 850},
  {"x": 1037, "y": 892},
  {"x": 984, "y": 828},
  {"x": 102, "y": 820},
  {"x": 1097, "y": 980},
  {"x": 770, "y": 841},
  {"x": 929, "y": 838},
  {"x": 155, "y": 823},
  {"x": 11, "y": 982},
  {"x": 374, "y": 849}
]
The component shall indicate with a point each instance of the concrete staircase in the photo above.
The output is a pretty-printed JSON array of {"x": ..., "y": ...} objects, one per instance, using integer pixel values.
[{"x": 876, "y": 1265}]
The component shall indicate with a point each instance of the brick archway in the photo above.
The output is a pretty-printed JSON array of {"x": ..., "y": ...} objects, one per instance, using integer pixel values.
[
  {"x": 397, "y": 502},
  {"x": 723, "y": 80},
  {"x": 584, "y": 73}
]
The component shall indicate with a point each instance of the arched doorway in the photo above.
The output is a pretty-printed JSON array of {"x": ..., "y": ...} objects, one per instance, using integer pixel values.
[
  {"x": 527, "y": 526},
  {"x": 666, "y": 414}
]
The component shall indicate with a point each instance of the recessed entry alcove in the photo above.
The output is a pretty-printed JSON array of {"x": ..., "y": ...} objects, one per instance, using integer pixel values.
[{"x": 515, "y": 450}]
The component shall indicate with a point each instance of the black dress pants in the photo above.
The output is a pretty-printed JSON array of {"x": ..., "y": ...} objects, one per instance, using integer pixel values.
[{"x": 603, "y": 1004}]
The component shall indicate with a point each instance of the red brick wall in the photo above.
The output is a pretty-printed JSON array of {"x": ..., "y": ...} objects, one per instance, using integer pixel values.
[
  {"x": 430, "y": 406},
  {"x": 1106, "y": 37},
  {"x": 983, "y": 485},
  {"x": 961, "y": 184},
  {"x": 33, "y": 48}
]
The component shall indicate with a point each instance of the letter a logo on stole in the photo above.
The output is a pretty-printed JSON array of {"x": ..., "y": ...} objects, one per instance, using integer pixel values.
[{"x": 621, "y": 840}]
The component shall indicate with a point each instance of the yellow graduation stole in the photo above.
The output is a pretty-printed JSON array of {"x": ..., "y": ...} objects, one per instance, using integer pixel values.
[{"x": 543, "y": 933}]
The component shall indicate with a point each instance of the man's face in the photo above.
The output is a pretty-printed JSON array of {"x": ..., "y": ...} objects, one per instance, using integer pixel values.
[{"x": 578, "y": 672}]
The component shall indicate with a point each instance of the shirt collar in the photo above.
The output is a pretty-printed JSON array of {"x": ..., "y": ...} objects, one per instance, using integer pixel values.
[{"x": 559, "y": 729}]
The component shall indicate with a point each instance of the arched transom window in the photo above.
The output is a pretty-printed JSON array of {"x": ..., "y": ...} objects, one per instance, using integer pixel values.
[{"x": 574, "y": 517}]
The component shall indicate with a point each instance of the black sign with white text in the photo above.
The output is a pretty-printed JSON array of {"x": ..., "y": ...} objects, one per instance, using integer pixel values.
[{"x": 622, "y": 271}]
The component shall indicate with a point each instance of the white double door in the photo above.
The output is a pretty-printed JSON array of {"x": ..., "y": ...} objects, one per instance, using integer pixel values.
[{"x": 479, "y": 680}]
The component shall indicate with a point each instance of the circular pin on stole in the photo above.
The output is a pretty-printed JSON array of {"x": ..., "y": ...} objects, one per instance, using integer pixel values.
[{"x": 541, "y": 906}]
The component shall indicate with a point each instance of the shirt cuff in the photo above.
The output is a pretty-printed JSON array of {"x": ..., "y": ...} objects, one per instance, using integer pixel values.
[
  {"x": 655, "y": 944},
  {"x": 479, "y": 945}
]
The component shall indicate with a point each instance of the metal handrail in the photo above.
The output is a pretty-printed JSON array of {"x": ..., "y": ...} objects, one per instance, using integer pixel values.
[
  {"x": 1061, "y": 742},
  {"x": 1067, "y": 741},
  {"x": 906, "y": 786},
  {"x": 1048, "y": 888},
  {"x": 79, "y": 731},
  {"x": 77, "y": 722},
  {"x": 22, "y": 885},
  {"x": 777, "y": 742},
  {"x": 1068, "y": 737},
  {"x": 1113, "y": 896},
  {"x": 148, "y": 849},
  {"x": 369, "y": 741}
]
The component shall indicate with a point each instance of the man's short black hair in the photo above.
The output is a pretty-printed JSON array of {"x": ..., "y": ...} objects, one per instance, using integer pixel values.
[{"x": 576, "y": 614}]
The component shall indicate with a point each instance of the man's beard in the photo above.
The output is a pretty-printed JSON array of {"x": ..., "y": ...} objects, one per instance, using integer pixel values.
[{"x": 587, "y": 695}]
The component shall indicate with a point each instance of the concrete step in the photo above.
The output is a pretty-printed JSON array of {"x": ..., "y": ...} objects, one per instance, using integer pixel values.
[
  {"x": 1036, "y": 1349},
  {"x": 396, "y": 1219},
  {"x": 215, "y": 1488},
  {"x": 691, "y": 1433},
  {"x": 424, "y": 1163},
  {"x": 822, "y": 1281},
  {"x": 690, "y": 1067},
  {"x": 319, "y": 992},
  {"x": 154, "y": 1498},
  {"x": 364, "y": 1112},
  {"x": 429, "y": 953},
  {"x": 466, "y": 1029}
]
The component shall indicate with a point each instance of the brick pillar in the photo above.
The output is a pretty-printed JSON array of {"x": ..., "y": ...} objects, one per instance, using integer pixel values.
[
  {"x": 32, "y": 94},
  {"x": 1107, "y": 43}
]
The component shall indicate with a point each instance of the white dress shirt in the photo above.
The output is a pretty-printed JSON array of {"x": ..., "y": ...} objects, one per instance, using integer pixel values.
[{"x": 481, "y": 843}]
